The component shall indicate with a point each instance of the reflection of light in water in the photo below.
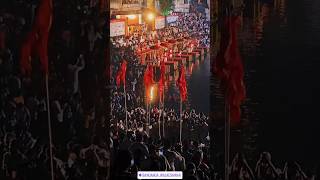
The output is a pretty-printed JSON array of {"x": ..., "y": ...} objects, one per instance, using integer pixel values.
[
  {"x": 197, "y": 64},
  {"x": 282, "y": 10},
  {"x": 191, "y": 69},
  {"x": 280, "y": 7},
  {"x": 265, "y": 10},
  {"x": 263, "y": 17}
]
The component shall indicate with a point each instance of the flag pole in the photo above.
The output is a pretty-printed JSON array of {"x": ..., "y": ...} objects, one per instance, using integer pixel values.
[
  {"x": 227, "y": 139},
  {"x": 181, "y": 120},
  {"x": 163, "y": 133},
  {"x": 159, "y": 123},
  {"x": 125, "y": 105},
  {"x": 227, "y": 119},
  {"x": 49, "y": 127},
  {"x": 147, "y": 111},
  {"x": 149, "y": 115}
]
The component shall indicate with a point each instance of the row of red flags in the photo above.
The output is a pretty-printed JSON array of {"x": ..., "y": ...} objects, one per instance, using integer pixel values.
[
  {"x": 148, "y": 80},
  {"x": 228, "y": 64},
  {"x": 229, "y": 68}
]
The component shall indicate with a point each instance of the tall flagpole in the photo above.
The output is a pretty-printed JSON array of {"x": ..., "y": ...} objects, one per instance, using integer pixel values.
[
  {"x": 227, "y": 117},
  {"x": 159, "y": 123},
  {"x": 181, "y": 120},
  {"x": 125, "y": 105},
  {"x": 163, "y": 131},
  {"x": 227, "y": 139},
  {"x": 149, "y": 114},
  {"x": 49, "y": 127}
]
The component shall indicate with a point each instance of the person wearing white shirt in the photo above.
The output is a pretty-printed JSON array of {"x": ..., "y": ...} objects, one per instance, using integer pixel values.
[{"x": 134, "y": 84}]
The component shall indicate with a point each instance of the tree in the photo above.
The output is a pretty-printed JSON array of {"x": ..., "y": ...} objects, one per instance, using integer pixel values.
[{"x": 166, "y": 6}]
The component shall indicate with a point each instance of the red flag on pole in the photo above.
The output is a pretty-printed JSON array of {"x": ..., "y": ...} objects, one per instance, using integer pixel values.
[
  {"x": 121, "y": 75},
  {"x": 236, "y": 86},
  {"x": 162, "y": 80},
  {"x": 229, "y": 69},
  {"x": 148, "y": 79},
  {"x": 37, "y": 39},
  {"x": 182, "y": 83}
]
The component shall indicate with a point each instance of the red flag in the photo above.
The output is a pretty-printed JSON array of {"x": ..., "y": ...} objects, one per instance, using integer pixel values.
[
  {"x": 121, "y": 75},
  {"x": 162, "y": 80},
  {"x": 229, "y": 69},
  {"x": 37, "y": 40},
  {"x": 148, "y": 79},
  {"x": 182, "y": 83}
]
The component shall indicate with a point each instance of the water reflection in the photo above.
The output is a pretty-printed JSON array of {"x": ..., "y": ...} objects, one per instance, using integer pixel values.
[
  {"x": 279, "y": 63},
  {"x": 197, "y": 76}
]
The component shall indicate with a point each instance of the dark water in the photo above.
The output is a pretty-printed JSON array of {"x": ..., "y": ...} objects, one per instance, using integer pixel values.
[
  {"x": 198, "y": 85},
  {"x": 280, "y": 43}
]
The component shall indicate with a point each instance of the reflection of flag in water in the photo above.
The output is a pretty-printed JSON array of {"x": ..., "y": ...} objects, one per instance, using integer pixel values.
[
  {"x": 229, "y": 69},
  {"x": 36, "y": 42},
  {"x": 182, "y": 84},
  {"x": 148, "y": 80},
  {"x": 162, "y": 80},
  {"x": 121, "y": 75}
]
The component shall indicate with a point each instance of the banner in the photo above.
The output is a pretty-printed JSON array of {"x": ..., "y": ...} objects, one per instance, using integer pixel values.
[
  {"x": 171, "y": 19},
  {"x": 160, "y": 22},
  {"x": 182, "y": 8},
  {"x": 117, "y": 27}
]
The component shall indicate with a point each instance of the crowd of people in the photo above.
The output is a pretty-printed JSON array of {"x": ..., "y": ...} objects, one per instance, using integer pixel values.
[
  {"x": 76, "y": 61},
  {"x": 151, "y": 143},
  {"x": 189, "y": 25},
  {"x": 82, "y": 148}
]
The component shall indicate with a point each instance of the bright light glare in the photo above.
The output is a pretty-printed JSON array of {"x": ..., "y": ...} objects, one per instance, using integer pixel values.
[
  {"x": 151, "y": 92},
  {"x": 150, "y": 16}
]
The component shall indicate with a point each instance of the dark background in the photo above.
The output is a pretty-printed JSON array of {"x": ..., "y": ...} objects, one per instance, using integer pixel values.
[{"x": 286, "y": 82}]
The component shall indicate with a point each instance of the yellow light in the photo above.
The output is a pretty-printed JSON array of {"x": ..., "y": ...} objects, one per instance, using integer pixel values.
[
  {"x": 132, "y": 16},
  {"x": 151, "y": 93},
  {"x": 118, "y": 16},
  {"x": 150, "y": 16}
]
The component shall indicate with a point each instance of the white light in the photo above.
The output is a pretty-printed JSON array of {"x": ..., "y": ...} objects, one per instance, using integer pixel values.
[{"x": 150, "y": 16}]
